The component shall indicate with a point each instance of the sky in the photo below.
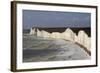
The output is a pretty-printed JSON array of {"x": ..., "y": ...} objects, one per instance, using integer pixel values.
[{"x": 55, "y": 19}]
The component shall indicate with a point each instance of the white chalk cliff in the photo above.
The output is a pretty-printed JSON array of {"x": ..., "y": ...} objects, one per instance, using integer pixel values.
[
  {"x": 82, "y": 38},
  {"x": 32, "y": 31}
]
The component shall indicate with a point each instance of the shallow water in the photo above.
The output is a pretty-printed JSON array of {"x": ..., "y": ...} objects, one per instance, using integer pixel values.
[{"x": 37, "y": 49}]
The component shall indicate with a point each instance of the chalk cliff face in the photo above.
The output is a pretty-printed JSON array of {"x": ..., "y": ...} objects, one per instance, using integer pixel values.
[
  {"x": 68, "y": 35},
  {"x": 32, "y": 31},
  {"x": 39, "y": 33},
  {"x": 82, "y": 38},
  {"x": 56, "y": 35}
]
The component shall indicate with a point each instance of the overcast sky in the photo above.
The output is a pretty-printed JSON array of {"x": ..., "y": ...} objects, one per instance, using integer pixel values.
[{"x": 35, "y": 18}]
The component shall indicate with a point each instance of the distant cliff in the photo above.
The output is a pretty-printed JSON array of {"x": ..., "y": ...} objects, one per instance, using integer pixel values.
[
  {"x": 61, "y": 30},
  {"x": 82, "y": 38}
]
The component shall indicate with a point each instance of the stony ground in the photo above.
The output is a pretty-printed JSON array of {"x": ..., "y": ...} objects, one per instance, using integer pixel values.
[{"x": 37, "y": 49}]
